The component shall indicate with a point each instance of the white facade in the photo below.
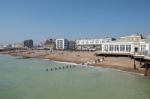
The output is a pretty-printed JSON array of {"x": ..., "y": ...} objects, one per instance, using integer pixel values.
[
  {"x": 131, "y": 38},
  {"x": 92, "y": 41},
  {"x": 142, "y": 48},
  {"x": 7, "y": 46},
  {"x": 17, "y": 45},
  {"x": 1, "y": 46},
  {"x": 125, "y": 47},
  {"x": 61, "y": 44},
  {"x": 148, "y": 48},
  {"x": 148, "y": 44},
  {"x": 132, "y": 44},
  {"x": 91, "y": 44},
  {"x": 118, "y": 47}
]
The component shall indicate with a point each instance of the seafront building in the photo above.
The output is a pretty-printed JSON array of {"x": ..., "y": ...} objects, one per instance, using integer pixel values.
[
  {"x": 7, "y": 46},
  {"x": 17, "y": 45},
  {"x": 62, "y": 44},
  {"x": 71, "y": 45},
  {"x": 148, "y": 45},
  {"x": 1, "y": 46},
  {"x": 28, "y": 43},
  {"x": 91, "y": 44},
  {"x": 50, "y": 44},
  {"x": 133, "y": 44}
]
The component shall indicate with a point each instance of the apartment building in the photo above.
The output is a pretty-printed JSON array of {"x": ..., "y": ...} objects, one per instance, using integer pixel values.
[{"x": 61, "y": 44}]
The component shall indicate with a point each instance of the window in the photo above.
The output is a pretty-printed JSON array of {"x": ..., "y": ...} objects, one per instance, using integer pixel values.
[
  {"x": 92, "y": 42},
  {"x": 128, "y": 48},
  {"x": 143, "y": 48},
  {"x": 116, "y": 47},
  {"x": 107, "y": 40},
  {"x": 78, "y": 42},
  {"x": 82, "y": 42},
  {"x": 110, "y": 47},
  {"x": 87, "y": 42},
  {"x": 96, "y": 41},
  {"x": 122, "y": 48},
  {"x": 106, "y": 47}
]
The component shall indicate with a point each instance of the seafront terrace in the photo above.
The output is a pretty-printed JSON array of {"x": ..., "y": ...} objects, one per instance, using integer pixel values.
[
  {"x": 144, "y": 55},
  {"x": 147, "y": 57}
]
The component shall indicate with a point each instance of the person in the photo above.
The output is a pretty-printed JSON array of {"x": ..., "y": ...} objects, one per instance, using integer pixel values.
[
  {"x": 98, "y": 60},
  {"x": 103, "y": 59},
  {"x": 95, "y": 61}
]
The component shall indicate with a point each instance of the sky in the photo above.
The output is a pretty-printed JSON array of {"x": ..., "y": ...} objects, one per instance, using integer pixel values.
[{"x": 73, "y": 19}]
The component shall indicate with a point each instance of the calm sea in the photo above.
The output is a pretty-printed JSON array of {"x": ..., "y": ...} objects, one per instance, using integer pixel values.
[{"x": 28, "y": 79}]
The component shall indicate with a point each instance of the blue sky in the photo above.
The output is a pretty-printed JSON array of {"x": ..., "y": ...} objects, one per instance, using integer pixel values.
[{"x": 43, "y": 19}]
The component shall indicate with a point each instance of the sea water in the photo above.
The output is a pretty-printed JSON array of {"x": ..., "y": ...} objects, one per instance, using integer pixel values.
[{"x": 29, "y": 79}]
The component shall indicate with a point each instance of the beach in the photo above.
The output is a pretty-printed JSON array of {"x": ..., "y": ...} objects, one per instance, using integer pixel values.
[{"x": 81, "y": 57}]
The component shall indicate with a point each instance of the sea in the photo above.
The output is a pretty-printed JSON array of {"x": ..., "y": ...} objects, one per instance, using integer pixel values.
[{"x": 45, "y": 79}]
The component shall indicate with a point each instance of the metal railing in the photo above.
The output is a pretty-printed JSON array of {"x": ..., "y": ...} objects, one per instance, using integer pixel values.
[{"x": 145, "y": 53}]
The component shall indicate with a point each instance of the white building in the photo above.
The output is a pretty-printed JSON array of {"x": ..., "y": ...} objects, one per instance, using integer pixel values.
[
  {"x": 49, "y": 44},
  {"x": 124, "y": 47},
  {"x": 118, "y": 47},
  {"x": 134, "y": 44},
  {"x": 1, "y": 46},
  {"x": 133, "y": 38},
  {"x": 7, "y": 46},
  {"x": 148, "y": 47},
  {"x": 91, "y": 44},
  {"x": 148, "y": 44},
  {"x": 61, "y": 44},
  {"x": 17, "y": 45}
]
